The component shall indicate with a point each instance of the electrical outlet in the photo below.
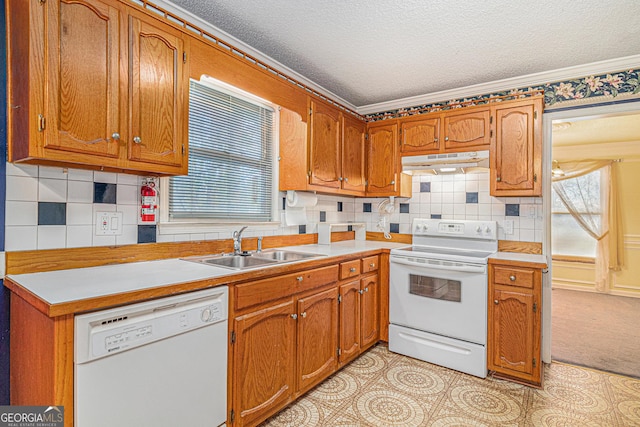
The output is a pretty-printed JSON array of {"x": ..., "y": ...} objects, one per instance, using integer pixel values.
[
  {"x": 508, "y": 226},
  {"x": 108, "y": 223}
]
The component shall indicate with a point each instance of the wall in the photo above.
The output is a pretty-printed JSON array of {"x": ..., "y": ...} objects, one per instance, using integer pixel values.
[
  {"x": 573, "y": 275},
  {"x": 4, "y": 293}
]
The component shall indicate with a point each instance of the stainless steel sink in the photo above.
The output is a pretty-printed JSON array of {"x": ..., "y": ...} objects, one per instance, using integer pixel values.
[
  {"x": 237, "y": 261},
  {"x": 253, "y": 260},
  {"x": 284, "y": 256}
]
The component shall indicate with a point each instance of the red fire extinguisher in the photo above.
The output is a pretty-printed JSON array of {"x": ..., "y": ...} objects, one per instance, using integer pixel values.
[{"x": 149, "y": 202}]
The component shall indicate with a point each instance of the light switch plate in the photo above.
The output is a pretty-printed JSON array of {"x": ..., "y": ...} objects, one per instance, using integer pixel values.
[
  {"x": 108, "y": 223},
  {"x": 508, "y": 226}
]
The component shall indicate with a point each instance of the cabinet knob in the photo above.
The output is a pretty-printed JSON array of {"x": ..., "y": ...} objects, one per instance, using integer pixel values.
[
  {"x": 512, "y": 278},
  {"x": 393, "y": 182},
  {"x": 346, "y": 180},
  {"x": 498, "y": 179},
  {"x": 446, "y": 138},
  {"x": 352, "y": 269},
  {"x": 372, "y": 265},
  {"x": 435, "y": 139},
  {"x": 366, "y": 289},
  {"x": 299, "y": 278},
  {"x": 303, "y": 314},
  {"x": 137, "y": 139},
  {"x": 294, "y": 316},
  {"x": 115, "y": 136},
  {"x": 361, "y": 292},
  {"x": 339, "y": 178},
  {"x": 495, "y": 301}
]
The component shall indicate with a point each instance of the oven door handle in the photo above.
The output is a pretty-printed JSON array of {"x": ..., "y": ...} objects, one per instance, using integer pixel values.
[{"x": 457, "y": 267}]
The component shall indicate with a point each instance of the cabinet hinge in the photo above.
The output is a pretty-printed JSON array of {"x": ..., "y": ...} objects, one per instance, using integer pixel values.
[
  {"x": 42, "y": 1},
  {"x": 42, "y": 123},
  {"x": 535, "y": 177},
  {"x": 233, "y": 337},
  {"x": 232, "y": 416},
  {"x": 366, "y": 136},
  {"x": 491, "y": 133},
  {"x": 184, "y": 57},
  {"x": 309, "y": 173},
  {"x": 534, "y": 362},
  {"x": 339, "y": 351},
  {"x": 183, "y": 150},
  {"x": 535, "y": 115},
  {"x": 490, "y": 120},
  {"x": 310, "y": 111},
  {"x": 535, "y": 307},
  {"x": 339, "y": 299}
]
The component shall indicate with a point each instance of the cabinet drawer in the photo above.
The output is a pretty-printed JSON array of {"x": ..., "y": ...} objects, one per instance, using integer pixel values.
[
  {"x": 513, "y": 276},
  {"x": 349, "y": 269},
  {"x": 260, "y": 291},
  {"x": 370, "y": 263}
]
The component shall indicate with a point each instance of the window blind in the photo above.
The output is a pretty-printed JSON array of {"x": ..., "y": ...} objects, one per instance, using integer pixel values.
[{"x": 230, "y": 159}]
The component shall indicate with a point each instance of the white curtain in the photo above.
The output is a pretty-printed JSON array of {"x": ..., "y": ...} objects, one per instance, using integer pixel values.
[{"x": 598, "y": 216}]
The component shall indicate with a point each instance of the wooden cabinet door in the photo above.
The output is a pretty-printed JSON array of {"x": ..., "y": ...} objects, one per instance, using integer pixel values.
[
  {"x": 382, "y": 159},
  {"x": 516, "y": 150},
  {"x": 369, "y": 311},
  {"x": 157, "y": 95},
  {"x": 353, "y": 154},
  {"x": 420, "y": 136},
  {"x": 512, "y": 332},
  {"x": 324, "y": 145},
  {"x": 264, "y": 362},
  {"x": 82, "y": 80},
  {"x": 349, "y": 321},
  {"x": 317, "y": 338},
  {"x": 463, "y": 130}
]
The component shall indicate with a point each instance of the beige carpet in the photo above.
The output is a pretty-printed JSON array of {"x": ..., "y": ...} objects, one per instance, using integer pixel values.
[
  {"x": 381, "y": 388},
  {"x": 596, "y": 330}
]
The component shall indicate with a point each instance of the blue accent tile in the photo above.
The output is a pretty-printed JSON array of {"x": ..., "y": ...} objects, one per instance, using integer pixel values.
[
  {"x": 512, "y": 210},
  {"x": 394, "y": 228},
  {"x": 323, "y": 216},
  {"x": 302, "y": 229},
  {"x": 104, "y": 193},
  {"x": 472, "y": 197},
  {"x": 52, "y": 213},
  {"x": 404, "y": 207},
  {"x": 436, "y": 216},
  {"x": 146, "y": 234},
  {"x": 339, "y": 206},
  {"x": 366, "y": 207},
  {"x": 425, "y": 187},
  {"x": 350, "y": 228}
]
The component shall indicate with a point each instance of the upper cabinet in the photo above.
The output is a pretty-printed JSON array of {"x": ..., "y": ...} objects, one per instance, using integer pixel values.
[
  {"x": 326, "y": 153},
  {"x": 453, "y": 130},
  {"x": 324, "y": 145},
  {"x": 516, "y": 148},
  {"x": 384, "y": 173},
  {"x": 94, "y": 85}
]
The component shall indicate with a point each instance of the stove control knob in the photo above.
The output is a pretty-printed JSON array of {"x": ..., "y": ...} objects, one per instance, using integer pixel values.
[
  {"x": 479, "y": 229},
  {"x": 487, "y": 230}
]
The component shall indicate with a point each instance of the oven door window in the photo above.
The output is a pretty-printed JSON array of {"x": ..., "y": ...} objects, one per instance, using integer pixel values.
[{"x": 435, "y": 288}]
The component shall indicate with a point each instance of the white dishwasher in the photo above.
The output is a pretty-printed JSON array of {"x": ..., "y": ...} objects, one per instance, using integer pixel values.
[{"x": 157, "y": 363}]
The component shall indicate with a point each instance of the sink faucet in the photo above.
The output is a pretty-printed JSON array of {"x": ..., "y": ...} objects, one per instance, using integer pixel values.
[{"x": 237, "y": 241}]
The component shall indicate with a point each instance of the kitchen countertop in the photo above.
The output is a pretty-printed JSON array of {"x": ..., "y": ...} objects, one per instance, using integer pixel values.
[
  {"x": 539, "y": 260},
  {"x": 68, "y": 286}
]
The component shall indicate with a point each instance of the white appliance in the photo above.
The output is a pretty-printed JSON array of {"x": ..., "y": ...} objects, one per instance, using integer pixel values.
[
  {"x": 447, "y": 163},
  {"x": 438, "y": 293},
  {"x": 156, "y": 363}
]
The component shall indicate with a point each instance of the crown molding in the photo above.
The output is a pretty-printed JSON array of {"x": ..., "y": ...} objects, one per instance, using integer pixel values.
[
  {"x": 239, "y": 44},
  {"x": 568, "y": 73}
]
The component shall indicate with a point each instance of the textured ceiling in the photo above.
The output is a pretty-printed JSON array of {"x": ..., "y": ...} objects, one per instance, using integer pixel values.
[{"x": 370, "y": 51}]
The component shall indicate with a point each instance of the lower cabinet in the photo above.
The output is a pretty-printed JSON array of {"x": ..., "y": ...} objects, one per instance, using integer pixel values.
[
  {"x": 514, "y": 322},
  {"x": 359, "y": 319}
]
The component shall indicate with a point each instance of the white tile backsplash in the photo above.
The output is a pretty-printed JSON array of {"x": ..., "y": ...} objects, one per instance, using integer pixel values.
[
  {"x": 21, "y": 213},
  {"x": 52, "y": 190},
  {"x": 52, "y": 236},
  {"x": 22, "y": 188},
  {"x": 20, "y": 238},
  {"x": 80, "y": 191}
]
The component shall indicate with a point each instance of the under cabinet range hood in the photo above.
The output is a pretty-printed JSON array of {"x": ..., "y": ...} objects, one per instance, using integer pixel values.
[{"x": 446, "y": 163}]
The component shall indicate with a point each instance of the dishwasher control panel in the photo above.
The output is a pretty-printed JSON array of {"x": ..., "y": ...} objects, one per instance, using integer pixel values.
[{"x": 112, "y": 331}]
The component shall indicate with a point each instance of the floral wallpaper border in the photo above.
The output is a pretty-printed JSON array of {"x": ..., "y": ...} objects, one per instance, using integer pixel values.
[{"x": 604, "y": 85}]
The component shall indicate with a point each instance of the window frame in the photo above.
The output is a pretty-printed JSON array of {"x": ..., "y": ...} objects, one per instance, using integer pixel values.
[{"x": 167, "y": 225}]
